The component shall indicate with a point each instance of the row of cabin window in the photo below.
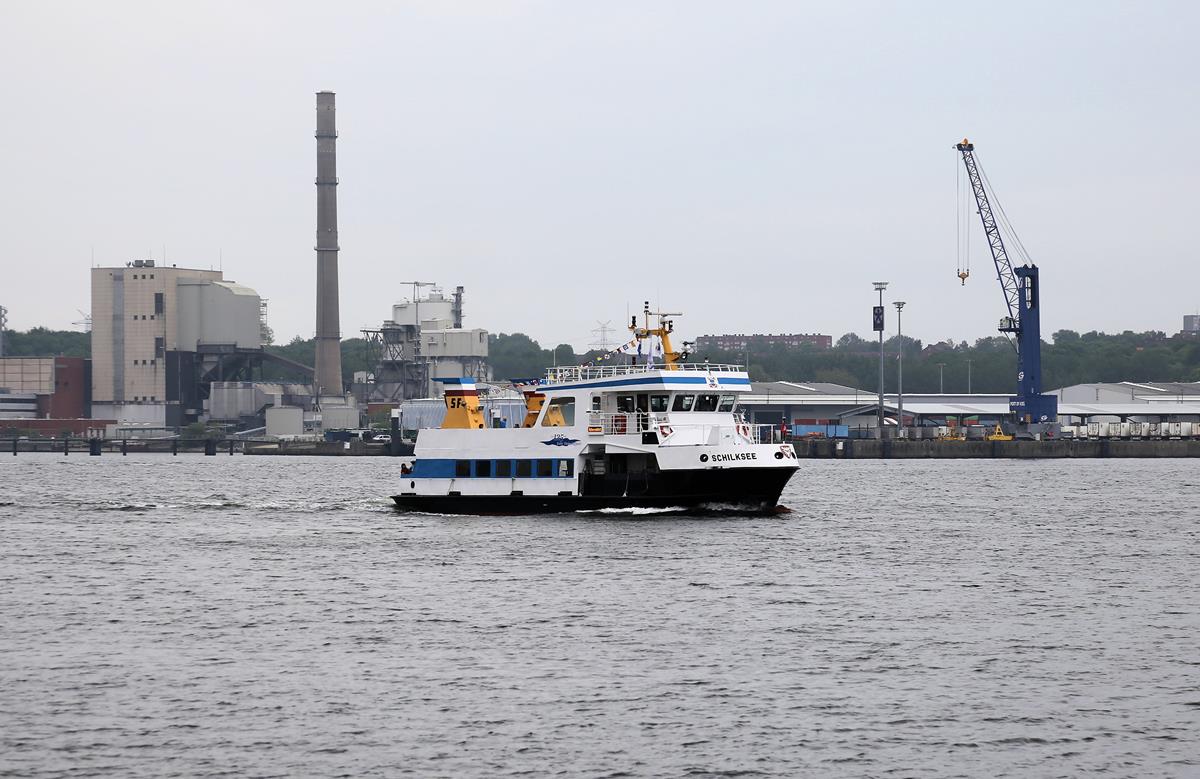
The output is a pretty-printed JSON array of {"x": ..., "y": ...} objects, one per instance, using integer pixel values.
[
  {"x": 658, "y": 403},
  {"x": 519, "y": 469},
  {"x": 561, "y": 411}
]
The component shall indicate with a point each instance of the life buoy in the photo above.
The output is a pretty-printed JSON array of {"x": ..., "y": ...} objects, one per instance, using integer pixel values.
[{"x": 665, "y": 431}]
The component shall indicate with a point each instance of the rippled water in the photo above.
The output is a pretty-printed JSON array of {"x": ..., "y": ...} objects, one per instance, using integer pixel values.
[{"x": 186, "y": 615}]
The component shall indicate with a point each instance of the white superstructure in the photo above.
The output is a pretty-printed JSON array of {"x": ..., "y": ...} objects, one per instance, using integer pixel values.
[{"x": 600, "y": 436}]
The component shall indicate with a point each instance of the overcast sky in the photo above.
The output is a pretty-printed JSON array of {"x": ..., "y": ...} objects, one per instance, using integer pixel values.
[{"x": 753, "y": 165}]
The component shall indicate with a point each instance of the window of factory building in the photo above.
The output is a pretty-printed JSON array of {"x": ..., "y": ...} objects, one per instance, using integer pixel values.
[
  {"x": 160, "y": 346},
  {"x": 683, "y": 402},
  {"x": 707, "y": 403},
  {"x": 160, "y": 305}
]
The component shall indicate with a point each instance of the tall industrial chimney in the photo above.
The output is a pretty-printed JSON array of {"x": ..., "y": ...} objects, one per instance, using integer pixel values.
[{"x": 328, "y": 373}]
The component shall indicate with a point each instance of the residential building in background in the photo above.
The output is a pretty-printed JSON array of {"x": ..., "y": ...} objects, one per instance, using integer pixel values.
[{"x": 738, "y": 342}]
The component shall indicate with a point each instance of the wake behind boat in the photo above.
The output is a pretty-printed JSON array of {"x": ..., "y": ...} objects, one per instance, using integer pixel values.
[{"x": 642, "y": 435}]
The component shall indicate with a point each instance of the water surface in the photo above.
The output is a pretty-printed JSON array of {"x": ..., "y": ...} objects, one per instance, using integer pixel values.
[{"x": 182, "y": 616}]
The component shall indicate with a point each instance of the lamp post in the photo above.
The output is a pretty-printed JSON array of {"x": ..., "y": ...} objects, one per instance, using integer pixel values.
[
  {"x": 941, "y": 384},
  {"x": 968, "y": 377},
  {"x": 899, "y": 304},
  {"x": 880, "y": 286}
]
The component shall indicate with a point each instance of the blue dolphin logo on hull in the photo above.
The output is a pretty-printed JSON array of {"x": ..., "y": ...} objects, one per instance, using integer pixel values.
[{"x": 561, "y": 440}]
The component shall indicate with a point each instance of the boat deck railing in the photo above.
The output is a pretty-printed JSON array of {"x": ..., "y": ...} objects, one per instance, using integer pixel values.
[
  {"x": 587, "y": 372},
  {"x": 635, "y": 422}
]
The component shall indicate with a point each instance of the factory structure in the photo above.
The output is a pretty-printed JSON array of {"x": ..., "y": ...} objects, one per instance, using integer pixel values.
[
  {"x": 162, "y": 335},
  {"x": 423, "y": 341}
]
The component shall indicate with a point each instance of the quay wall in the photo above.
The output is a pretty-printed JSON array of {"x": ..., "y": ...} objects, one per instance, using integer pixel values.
[{"x": 868, "y": 449}]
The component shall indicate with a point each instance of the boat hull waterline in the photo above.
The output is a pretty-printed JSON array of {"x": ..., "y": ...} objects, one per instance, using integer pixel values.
[{"x": 740, "y": 491}]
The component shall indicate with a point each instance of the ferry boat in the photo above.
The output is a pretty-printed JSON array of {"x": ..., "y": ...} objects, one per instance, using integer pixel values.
[{"x": 661, "y": 435}]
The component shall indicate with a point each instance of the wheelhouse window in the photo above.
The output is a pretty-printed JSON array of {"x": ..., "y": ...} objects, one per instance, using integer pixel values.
[
  {"x": 707, "y": 402},
  {"x": 624, "y": 402},
  {"x": 658, "y": 403},
  {"x": 727, "y": 403},
  {"x": 684, "y": 402},
  {"x": 560, "y": 412}
]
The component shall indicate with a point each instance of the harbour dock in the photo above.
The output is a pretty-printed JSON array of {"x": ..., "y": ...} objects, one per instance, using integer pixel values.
[{"x": 889, "y": 449}]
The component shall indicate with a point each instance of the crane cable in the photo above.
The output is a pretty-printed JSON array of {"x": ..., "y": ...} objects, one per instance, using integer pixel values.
[
  {"x": 962, "y": 227},
  {"x": 998, "y": 210},
  {"x": 1012, "y": 240},
  {"x": 957, "y": 220}
]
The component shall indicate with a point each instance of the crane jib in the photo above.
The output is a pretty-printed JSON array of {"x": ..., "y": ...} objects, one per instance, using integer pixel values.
[{"x": 1004, "y": 267}]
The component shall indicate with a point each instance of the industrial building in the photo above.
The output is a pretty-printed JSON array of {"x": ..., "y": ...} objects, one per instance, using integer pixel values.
[
  {"x": 816, "y": 404},
  {"x": 738, "y": 342},
  {"x": 423, "y": 341},
  {"x": 1131, "y": 392},
  {"x": 47, "y": 395},
  {"x": 161, "y": 336},
  {"x": 59, "y": 387}
]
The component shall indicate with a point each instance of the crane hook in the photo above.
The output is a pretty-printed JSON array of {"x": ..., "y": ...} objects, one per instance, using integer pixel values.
[{"x": 963, "y": 274}]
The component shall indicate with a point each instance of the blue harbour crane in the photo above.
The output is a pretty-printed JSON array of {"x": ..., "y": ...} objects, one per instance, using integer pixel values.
[{"x": 1032, "y": 410}]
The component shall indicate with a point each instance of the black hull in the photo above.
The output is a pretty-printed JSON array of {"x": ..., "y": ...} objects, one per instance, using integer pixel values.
[{"x": 741, "y": 490}]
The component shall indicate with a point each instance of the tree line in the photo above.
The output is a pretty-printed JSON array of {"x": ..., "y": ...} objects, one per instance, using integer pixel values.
[{"x": 989, "y": 365}]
